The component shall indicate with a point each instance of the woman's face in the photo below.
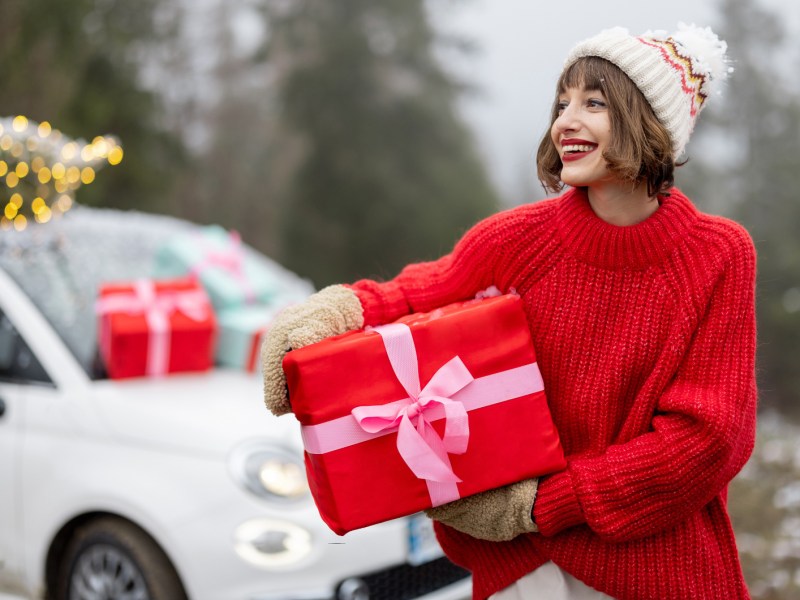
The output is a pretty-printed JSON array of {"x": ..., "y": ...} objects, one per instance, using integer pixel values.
[{"x": 581, "y": 133}]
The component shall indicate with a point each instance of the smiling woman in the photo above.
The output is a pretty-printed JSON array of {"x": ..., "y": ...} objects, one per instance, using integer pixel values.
[{"x": 641, "y": 310}]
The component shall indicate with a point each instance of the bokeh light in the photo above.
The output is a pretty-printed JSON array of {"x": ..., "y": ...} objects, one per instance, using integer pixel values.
[{"x": 40, "y": 163}]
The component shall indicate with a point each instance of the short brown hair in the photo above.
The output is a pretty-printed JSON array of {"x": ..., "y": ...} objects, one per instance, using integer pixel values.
[{"x": 640, "y": 149}]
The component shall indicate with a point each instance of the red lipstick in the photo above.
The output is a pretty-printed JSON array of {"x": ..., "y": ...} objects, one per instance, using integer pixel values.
[{"x": 571, "y": 155}]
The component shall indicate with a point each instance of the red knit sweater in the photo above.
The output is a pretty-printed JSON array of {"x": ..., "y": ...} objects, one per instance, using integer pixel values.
[{"x": 645, "y": 337}]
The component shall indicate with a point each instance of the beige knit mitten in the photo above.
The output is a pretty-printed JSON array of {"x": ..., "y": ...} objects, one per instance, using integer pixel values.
[
  {"x": 333, "y": 310},
  {"x": 497, "y": 515}
]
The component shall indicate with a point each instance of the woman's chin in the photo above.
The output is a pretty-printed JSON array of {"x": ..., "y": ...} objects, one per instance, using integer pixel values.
[{"x": 573, "y": 181}]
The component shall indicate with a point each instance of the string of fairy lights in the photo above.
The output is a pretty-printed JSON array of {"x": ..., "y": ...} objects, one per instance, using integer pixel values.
[{"x": 41, "y": 168}]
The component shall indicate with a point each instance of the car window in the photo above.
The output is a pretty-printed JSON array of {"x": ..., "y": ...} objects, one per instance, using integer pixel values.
[{"x": 18, "y": 364}]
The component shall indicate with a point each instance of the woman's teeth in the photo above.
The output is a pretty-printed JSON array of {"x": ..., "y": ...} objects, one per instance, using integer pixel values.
[{"x": 577, "y": 148}]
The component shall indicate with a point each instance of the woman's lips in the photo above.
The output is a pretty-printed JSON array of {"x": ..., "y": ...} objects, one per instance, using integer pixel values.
[
  {"x": 571, "y": 156},
  {"x": 576, "y": 148}
]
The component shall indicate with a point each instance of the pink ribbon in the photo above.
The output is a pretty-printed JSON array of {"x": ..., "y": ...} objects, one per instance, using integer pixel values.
[
  {"x": 156, "y": 308},
  {"x": 419, "y": 445},
  {"x": 229, "y": 258},
  {"x": 255, "y": 348},
  {"x": 489, "y": 390}
]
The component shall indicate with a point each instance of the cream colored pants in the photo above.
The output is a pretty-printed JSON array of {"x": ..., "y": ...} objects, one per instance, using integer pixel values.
[{"x": 549, "y": 582}]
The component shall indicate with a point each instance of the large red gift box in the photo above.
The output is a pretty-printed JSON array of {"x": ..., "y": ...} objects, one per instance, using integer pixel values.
[
  {"x": 154, "y": 327},
  {"x": 378, "y": 447}
]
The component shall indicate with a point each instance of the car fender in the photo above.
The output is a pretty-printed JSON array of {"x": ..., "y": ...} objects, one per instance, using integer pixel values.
[{"x": 134, "y": 483}]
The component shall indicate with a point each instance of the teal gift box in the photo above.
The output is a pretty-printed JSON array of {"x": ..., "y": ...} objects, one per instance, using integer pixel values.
[
  {"x": 240, "y": 334},
  {"x": 231, "y": 273}
]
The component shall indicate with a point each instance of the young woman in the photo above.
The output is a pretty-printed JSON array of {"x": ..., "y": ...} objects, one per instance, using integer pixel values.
[{"x": 641, "y": 310}]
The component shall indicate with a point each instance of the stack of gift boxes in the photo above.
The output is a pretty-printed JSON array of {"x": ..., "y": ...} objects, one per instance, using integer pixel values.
[{"x": 209, "y": 302}]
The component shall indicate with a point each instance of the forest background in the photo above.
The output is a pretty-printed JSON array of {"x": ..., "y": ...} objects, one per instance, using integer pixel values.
[{"x": 329, "y": 134}]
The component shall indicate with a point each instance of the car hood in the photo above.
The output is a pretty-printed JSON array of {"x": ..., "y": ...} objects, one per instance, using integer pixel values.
[{"x": 206, "y": 413}]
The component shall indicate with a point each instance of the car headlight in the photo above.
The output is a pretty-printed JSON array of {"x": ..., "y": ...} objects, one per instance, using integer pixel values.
[
  {"x": 270, "y": 543},
  {"x": 269, "y": 471}
]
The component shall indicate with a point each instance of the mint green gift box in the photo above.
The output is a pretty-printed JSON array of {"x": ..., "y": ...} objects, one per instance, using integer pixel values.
[
  {"x": 239, "y": 335},
  {"x": 241, "y": 329},
  {"x": 231, "y": 273}
]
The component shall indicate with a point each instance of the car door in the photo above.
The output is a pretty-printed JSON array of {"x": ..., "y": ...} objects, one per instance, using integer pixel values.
[{"x": 20, "y": 372}]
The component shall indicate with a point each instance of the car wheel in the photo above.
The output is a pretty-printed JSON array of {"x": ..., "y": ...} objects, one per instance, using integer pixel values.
[{"x": 110, "y": 559}]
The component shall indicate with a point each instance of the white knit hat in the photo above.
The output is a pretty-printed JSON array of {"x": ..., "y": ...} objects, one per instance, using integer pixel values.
[{"x": 676, "y": 73}]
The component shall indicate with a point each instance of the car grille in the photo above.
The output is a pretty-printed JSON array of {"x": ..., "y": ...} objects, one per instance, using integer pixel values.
[{"x": 404, "y": 582}]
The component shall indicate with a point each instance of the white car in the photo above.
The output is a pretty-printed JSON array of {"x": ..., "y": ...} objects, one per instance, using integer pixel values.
[{"x": 160, "y": 489}]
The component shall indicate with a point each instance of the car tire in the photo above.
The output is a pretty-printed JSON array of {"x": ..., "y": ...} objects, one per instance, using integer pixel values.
[{"x": 110, "y": 558}]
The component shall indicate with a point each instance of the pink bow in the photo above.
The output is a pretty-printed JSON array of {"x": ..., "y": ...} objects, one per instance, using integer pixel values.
[
  {"x": 230, "y": 258},
  {"x": 417, "y": 442},
  {"x": 156, "y": 308}
]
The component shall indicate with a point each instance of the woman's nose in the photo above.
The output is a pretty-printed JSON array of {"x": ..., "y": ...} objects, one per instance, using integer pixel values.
[{"x": 567, "y": 120}]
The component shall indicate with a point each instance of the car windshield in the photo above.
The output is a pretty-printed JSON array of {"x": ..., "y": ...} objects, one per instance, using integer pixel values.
[{"x": 62, "y": 265}]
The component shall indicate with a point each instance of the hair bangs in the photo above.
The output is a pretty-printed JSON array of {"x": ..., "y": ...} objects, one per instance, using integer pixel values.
[{"x": 588, "y": 73}]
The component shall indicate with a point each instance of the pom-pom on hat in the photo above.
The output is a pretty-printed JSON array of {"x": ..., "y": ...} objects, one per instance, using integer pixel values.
[{"x": 675, "y": 72}]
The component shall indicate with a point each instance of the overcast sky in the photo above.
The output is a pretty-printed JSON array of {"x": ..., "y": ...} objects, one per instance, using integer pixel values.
[{"x": 523, "y": 45}]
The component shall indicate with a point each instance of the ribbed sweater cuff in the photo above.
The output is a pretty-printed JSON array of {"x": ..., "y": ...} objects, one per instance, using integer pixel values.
[
  {"x": 382, "y": 303},
  {"x": 556, "y": 507}
]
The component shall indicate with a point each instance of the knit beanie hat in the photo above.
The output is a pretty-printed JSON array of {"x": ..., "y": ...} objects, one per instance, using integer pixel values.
[{"x": 676, "y": 73}]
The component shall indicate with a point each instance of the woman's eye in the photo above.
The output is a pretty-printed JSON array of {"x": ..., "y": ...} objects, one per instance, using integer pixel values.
[
  {"x": 595, "y": 103},
  {"x": 561, "y": 107}
]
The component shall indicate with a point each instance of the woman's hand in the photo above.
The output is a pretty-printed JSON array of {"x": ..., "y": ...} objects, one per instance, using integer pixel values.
[
  {"x": 498, "y": 515},
  {"x": 331, "y": 311}
]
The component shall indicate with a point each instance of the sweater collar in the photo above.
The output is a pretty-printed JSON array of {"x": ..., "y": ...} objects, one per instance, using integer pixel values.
[{"x": 590, "y": 239}]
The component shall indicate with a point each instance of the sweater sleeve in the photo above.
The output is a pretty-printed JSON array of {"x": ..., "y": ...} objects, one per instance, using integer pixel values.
[
  {"x": 702, "y": 433},
  {"x": 424, "y": 286}
]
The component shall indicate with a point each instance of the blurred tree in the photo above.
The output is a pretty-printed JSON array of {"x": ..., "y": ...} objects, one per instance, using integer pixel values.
[
  {"x": 747, "y": 168},
  {"x": 78, "y": 65},
  {"x": 377, "y": 168},
  {"x": 228, "y": 181}
]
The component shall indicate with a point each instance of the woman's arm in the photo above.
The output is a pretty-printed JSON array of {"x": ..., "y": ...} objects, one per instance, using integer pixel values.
[{"x": 425, "y": 286}]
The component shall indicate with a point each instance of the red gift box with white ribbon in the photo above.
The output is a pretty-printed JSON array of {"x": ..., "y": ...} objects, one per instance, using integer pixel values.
[
  {"x": 154, "y": 327},
  {"x": 432, "y": 408}
]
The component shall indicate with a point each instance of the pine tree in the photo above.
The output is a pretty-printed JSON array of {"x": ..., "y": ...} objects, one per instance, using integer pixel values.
[
  {"x": 384, "y": 171},
  {"x": 77, "y": 64}
]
